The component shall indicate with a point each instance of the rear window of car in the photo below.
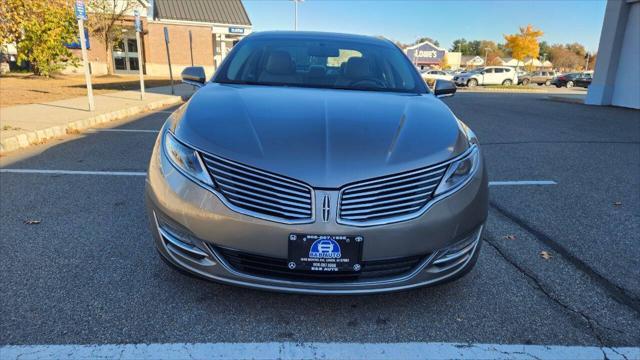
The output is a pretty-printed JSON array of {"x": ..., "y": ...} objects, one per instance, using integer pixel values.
[{"x": 507, "y": 70}]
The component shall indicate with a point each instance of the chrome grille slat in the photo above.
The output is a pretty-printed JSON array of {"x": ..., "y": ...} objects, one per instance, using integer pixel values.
[
  {"x": 390, "y": 201},
  {"x": 284, "y": 213},
  {"x": 254, "y": 190},
  {"x": 373, "y": 199},
  {"x": 259, "y": 193},
  {"x": 399, "y": 187},
  {"x": 362, "y": 217},
  {"x": 227, "y": 175},
  {"x": 390, "y": 198},
  {"x": 391, "y": 177},
  {"x": 378, "y": 208},
  {"x": 269, "y": 204},
  {"x": 435, "y": 174},
  {"x": 274, "y": 179},
  {"x": 237, "y": 191}
]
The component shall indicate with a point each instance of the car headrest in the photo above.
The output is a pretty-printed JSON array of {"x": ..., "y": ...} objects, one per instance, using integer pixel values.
[
  {"x": 279, "y": 62},
  {"x": 316, "y": 71},
  {"x": 357, "y": 67}
]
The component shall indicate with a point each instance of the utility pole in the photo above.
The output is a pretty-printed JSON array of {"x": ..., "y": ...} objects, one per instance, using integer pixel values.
[
  {"x": 486, "y": 51},
  {"x": 295, "y": 2},
  {"x": 586, "y": 67},
  {"x": 166, "y": 43},
  {"x": 138, "y": 26},
  {"x": 81, "y": 15}
]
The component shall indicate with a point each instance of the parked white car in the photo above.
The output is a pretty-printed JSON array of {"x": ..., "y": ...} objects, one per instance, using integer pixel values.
[
  {"x": 490, "y": 75},
  {"x": 436, "y": 75}
]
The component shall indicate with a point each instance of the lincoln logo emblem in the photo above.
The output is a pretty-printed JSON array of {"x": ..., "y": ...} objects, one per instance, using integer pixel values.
[{"x": 325, "y": 208}]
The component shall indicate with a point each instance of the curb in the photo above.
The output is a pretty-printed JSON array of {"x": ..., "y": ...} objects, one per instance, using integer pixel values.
[{"x": 40, "y": 136}]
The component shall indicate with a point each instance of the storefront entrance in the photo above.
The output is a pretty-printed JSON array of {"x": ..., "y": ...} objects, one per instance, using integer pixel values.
[{"x": 126, "y": 55}]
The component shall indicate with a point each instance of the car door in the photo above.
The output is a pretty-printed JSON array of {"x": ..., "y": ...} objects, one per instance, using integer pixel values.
[
  {"x": 538, "y": 77},
  {"x": 498, "y": 76},
  {"x": 488, "y": 76}
]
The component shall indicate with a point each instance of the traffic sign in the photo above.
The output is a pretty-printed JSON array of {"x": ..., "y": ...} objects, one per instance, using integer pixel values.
[
  {"x": 138, "y": 25},
  {"x": 80, "y": 10}
]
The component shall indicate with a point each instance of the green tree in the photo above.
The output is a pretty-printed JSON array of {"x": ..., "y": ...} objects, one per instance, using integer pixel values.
[
  {"x": 544, "y": 48},
  {"x": 426, "y": 38},
  {"x": 41, "y": 29}
]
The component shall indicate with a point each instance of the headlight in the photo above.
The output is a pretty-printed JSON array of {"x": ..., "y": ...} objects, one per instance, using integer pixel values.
[
  {"x": 185, "y": 159},
  {"x": 459, "y": 172}
]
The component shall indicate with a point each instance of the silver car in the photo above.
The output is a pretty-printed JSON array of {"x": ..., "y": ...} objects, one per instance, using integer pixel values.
[{"x": 317, "y": 163}]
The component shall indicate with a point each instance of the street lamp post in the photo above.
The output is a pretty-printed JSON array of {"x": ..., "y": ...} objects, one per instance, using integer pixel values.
[{"x": 295, "y": 2}]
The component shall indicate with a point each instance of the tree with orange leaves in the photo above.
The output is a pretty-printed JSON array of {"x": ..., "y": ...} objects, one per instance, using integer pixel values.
[{"x": 524, "y": 44}]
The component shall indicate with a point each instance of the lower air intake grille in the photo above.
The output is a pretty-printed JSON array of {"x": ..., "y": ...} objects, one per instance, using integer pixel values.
[
  {"x": 259, "y": 193},
  {"x": 389, "y": 197},
  {"x": 277, "y": 268}
]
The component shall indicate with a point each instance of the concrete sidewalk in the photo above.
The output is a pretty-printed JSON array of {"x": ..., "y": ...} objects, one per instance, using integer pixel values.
[{"x": 24, "y": 125}]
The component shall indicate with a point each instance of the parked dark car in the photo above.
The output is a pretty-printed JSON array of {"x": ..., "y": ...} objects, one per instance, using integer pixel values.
[
  {"x": 566, "y": 80},
  {"x": 584, "y": 80}
]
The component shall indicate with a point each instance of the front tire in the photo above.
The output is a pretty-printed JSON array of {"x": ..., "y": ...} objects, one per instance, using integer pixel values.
[
  {"x": 472, "y": 83},
  {"x": 508, "y": 82}
]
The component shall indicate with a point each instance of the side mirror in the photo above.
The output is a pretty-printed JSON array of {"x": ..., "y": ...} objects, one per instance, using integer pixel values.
[
  {"x": 194, "y": 75},
  {"x": 444, "y": 88}
]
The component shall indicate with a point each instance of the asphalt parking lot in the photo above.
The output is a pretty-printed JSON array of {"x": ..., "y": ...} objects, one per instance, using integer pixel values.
[{"x": 88, "y": 273}]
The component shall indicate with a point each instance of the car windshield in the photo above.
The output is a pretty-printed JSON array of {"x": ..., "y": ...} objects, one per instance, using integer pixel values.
[
  {"x": 319, "y": 63},
  {"x": 475, "y": 71}
]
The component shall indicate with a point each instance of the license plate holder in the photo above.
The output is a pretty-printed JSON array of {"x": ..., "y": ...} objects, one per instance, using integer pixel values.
[{"x": 325, "y": 253}]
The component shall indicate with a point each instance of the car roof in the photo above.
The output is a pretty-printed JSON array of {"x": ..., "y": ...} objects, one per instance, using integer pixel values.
[{"x": 316, "y": 35}]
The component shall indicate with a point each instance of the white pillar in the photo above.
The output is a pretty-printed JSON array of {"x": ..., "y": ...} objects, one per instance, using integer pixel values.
[{"x": 617, "y": 71}]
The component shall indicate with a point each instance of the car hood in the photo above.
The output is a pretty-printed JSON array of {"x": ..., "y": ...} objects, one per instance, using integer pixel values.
[{"x": 324, "y": 137}]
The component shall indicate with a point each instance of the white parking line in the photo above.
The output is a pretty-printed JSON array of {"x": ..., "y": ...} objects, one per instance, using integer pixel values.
[
  {"x": 522, "y": 183},
  {"x": 125, "y": 130},
  {"x": 287, "y": 350},
  {"x": 73, "y": 172}
]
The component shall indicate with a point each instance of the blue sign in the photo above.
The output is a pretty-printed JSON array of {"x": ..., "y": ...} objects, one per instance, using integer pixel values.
[
  {"x": 76, "y": 44},
  {"x": 236, "y": 30},
  {"x": 138, "y": 25},
  {"x": 325, "y": 248},
  {"x": 80, "y": 10},
  {"x": 425, "y": 53}
]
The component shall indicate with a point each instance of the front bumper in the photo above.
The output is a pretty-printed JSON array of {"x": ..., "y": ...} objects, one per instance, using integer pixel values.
[{"x": 191, "y": 226}]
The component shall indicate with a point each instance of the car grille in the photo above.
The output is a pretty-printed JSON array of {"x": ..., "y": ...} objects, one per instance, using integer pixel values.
[
  {"x": 389, "y": 198},
  {"x": 261, "y": 194},
  {"x": 265, "y": 266}
]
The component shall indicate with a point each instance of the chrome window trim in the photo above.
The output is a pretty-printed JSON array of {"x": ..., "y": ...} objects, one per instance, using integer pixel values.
[
  {"x": 224, "y": 200},
  {"x": 419, "y": 212}
]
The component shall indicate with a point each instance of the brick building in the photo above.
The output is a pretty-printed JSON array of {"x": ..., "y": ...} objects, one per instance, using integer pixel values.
[{"x": 215, "y": 27}]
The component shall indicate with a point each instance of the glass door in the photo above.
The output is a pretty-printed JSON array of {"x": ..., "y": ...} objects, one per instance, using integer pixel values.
[{"x": 125, "y": 56}]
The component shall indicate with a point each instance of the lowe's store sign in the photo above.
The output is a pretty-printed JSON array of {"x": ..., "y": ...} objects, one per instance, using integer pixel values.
[{"x": 425, "y": 53}]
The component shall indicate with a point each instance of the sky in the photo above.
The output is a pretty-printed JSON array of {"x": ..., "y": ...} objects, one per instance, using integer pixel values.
[{"x": 563, "y": 21}]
